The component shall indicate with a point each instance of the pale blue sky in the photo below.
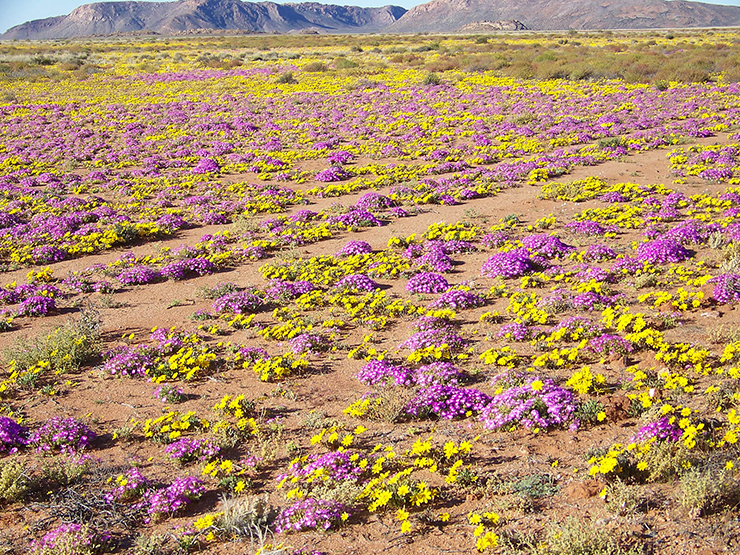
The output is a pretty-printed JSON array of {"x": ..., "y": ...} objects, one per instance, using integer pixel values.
[{"x": 13, "y": 12}]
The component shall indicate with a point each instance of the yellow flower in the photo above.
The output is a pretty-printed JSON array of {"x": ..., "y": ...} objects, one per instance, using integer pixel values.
[
  {"x": 537, "y": 385},
  {"x": 402, "y": 515}
]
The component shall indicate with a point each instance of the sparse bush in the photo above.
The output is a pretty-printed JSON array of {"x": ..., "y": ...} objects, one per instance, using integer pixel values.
[
  {"x": 286, "y": 78},
  {"x": 706, "y": 491},
  {"x": 249, "y": 517},
  {"x": 314, "y": 67},
  {"x": 14, "y": 480},
  {"x": 431, "y": 79},
  {"x": 67, "y": 348}
]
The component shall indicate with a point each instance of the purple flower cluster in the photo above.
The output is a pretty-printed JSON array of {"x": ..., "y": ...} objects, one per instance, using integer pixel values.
[
  {"x": 46, "y": 254},
  {"x": 435, "y": 258},
  {"x": 128, "y": 361},
  {"x": 132, "y": 487},
  {"x": 70, "y": 539},
  {"x": 496, "y": 239},
  {"x": 608, "y": 344},
  {"x": 333, "y": 173},
  {"x": 534, "y": 403},
  {"x": 182, "y": 269},
  {"x": 434, "y": 337},
  {"x": 545, "y": 245},
  {"x": 310, "y": 343},
  {"x": 238, "y": 302},
  {"x": 597, "y": 253},
  {"x": 456, "y": 299},
  {"x": 355, "y": 247},
  {"x": 726, "y": 288},
  {"x": 169, "y": 500},
  {"x": 12, "y": 435},
  {"x": 308, "y": 514},
  {"x": 357, "y": 282},
  {"x": 339, "y": 157},
  {"x": 586, "y": 227},
  {"x": 660, "y": 430},
  {"x": 586, "y": 273},
  {"x": 187, "y": 450},
  {"x": 337, "y": 465},
  {"x": 206, "y": 165},
  {"x": 447, "y": 401},
  {"x": 662, "y": 251},
  {"x": 65, "y": 434},
  {"x": 382, "y": 372},
  {"x": 288, "y": 290},
  {"x": 37, "y": 305},
  {"x": 516, "y": 331},
  {"x": 139, "y": 275},
  {"x": 438, "y": 373},
  {"x": 508, "y": 264},
  {"x": 427, "y": 282},
  {"x": 574, "y": 323},
  {"x": 354, "y": 219},
  {"x": 375, "y": 202}
]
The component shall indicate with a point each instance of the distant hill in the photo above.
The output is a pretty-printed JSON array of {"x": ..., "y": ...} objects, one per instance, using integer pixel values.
[
  {"x": 106, "y": 18},
  {"x": 452, "y": 15}
]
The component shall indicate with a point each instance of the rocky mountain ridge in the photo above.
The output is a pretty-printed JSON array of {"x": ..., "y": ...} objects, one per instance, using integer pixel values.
[{"x": 106, "y": 18}]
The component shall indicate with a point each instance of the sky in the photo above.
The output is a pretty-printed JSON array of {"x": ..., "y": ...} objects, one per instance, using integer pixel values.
[{"x": 14, "y": 12}]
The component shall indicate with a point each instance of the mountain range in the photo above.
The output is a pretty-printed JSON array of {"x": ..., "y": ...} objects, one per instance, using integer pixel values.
[{"x": 106, "y": 18}]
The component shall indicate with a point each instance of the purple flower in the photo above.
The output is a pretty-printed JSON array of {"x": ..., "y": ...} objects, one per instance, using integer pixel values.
[
  {"x": 65, "y": 434},
  {"x": 545, "y": 245},
  {"x": 438, "y": 373},
  {"x": 128, "y": 361},
  {"x": 37, "y": 306},
  {"x": 726, "y": 288},
  {"x": 206, "y": 165},
  {"x": 309, "y": 513},
  {"x": 12, "y": 435},
  {"x": 355, "y": 247},
  {"x": 334, "y": 173},
  {"x": 662, "y": 251},
  {"x": 531, "y": 402},
  {"x": 382, "y": 372},
  {"x": 457, "y": 299},
  {"x": 187, "y": 450},
  {"x": 357, "y": 282},
  {"x": 607, "y": 344},
  {"x": 174, "y": 497},
  {"x": 374, "y": 201},
  {"x": 597, "y": 253},
  {"x": 447, "y": 401},
  {"x": 426, "y": 282},
  {"x": 287, "y": 290},
  {"x": 586, "y": 227},
  {"x": 238, "y": 302},
  {"x": 661, "y": 430},
  {"x": 139, "y": 275},
  {"x": 508, "y": 264}
]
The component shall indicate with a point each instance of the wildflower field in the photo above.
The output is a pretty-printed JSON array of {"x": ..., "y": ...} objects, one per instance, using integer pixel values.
[{"x": 333, "y": 295}]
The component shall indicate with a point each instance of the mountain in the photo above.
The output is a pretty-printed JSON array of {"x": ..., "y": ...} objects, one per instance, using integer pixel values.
[
  {"x": 451, "y": 15},
  {"x": 105, "y": 18}
]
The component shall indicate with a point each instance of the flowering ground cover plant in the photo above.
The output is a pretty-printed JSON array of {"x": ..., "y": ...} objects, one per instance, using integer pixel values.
[{"x": 373, "y": 285}]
